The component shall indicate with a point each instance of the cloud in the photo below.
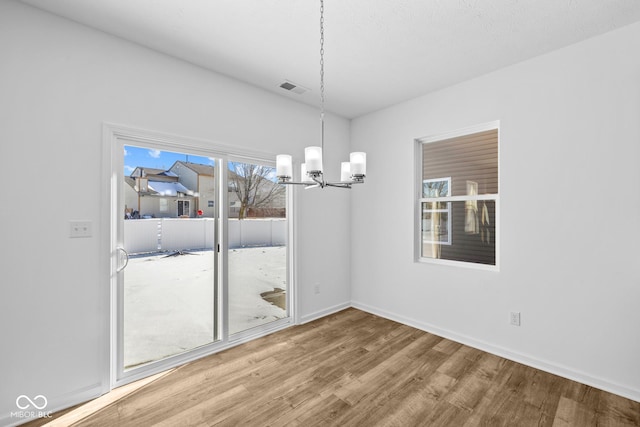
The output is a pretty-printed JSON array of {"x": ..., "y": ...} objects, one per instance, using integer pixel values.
[
  {"x": 125, "y": 151},
  {"x": 128, "y": 169},
  {"x": 155, "y": 153}
]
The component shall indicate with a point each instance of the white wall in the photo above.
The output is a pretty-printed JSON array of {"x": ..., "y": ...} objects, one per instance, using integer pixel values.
[
  {"x": 570, "y": 203},
  {"x": 59, "y": 81}
]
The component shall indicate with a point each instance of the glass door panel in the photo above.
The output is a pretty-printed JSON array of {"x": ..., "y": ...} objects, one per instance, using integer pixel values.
[
  {"x": 257, "y": 255},
  {"x": 168, "y": 288}
]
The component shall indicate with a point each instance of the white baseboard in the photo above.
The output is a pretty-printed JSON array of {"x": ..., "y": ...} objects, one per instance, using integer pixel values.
[
  {"x": 322, "y": 313},
  {"x": 54, "y": 404},
  {"x": 543, "y": 365}
]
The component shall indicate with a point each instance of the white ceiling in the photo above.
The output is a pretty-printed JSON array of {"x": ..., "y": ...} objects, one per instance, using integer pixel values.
[{"x": 377, "y": 52}]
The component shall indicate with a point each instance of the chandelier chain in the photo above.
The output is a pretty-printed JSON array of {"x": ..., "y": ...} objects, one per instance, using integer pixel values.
[
  {"x": 322, "y": 55},
  {"x": 351, "y": 173},
  {"x": 322, "y": 73}
]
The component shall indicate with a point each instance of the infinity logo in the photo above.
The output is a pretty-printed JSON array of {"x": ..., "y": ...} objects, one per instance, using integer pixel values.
[{"x": 22, "y": 398}]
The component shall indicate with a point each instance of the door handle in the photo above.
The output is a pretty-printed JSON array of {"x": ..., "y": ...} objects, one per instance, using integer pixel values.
[{"x": 126, "y": 260}]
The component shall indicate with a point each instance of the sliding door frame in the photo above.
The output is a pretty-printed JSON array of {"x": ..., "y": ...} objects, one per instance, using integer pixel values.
[{"x": 115, "y": 137}]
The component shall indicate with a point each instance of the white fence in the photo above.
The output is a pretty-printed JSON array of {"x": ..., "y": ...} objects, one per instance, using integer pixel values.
[{"x": 172, "y": 234}]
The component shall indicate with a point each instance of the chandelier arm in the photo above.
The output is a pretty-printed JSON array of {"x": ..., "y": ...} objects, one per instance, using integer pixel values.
[
  {"x": 338, "y": 185},
  {"x": 320, "y": 181},
  {"x": 293, "y": 183}
]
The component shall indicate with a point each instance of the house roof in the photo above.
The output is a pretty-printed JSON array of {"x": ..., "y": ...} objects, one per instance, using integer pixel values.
[
  {"x": 198, "y": 168},
  {"x": 161, "y": 188},
  {"x": 169, "y": 189},
  {"x": 131, "y": 181},
  {"x": 144, "y": 171}
]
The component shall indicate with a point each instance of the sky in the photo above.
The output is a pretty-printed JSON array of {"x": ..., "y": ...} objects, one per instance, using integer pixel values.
[{"x": 151, "y": 158}]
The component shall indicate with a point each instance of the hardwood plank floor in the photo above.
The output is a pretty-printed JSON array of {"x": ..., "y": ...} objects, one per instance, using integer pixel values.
[{"x": 356, "y": 369}]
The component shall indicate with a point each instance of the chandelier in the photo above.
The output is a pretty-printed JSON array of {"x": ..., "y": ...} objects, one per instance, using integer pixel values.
[{"x": 311, "y": 171}]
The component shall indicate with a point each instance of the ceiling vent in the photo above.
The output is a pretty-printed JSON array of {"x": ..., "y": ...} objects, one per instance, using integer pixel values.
[{"x": 292, "y": 87}]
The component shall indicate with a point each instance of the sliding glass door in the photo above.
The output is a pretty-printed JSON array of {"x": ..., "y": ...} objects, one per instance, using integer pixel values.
[
  {"x": 168, "y": 294},
  {"x": 257, "y": 258},
  {"x": 199, "y": 252}
]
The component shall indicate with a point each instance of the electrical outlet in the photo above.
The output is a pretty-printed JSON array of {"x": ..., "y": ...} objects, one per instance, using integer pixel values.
[
  {"x": 316, "y": 288},
  {"x": 79, "y": 228},
  {"x": 515, "y": 318}
]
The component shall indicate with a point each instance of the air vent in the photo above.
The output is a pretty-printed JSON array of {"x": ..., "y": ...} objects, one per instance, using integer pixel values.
[{"x": 292, "y": 87}]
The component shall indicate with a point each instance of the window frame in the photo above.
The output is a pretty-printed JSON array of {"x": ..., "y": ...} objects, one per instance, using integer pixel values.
[
  {"x": 419, "y": 199},
  {"x": 447, "y": 210}
]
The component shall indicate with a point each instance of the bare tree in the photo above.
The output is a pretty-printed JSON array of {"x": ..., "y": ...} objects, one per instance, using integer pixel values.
[
  {"x": 254, "y": 186},
  {"x": 435, "y": 188}
]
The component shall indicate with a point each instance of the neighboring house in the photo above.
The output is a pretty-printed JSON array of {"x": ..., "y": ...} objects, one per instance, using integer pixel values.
[
  {"x": 199, "y": 179},
  {"x": 158, "y": 194},
  {"x": 187, "y": 188}
]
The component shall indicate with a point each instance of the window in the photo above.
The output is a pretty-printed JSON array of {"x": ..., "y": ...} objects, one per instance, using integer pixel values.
[{"x": 458, "y": 198}]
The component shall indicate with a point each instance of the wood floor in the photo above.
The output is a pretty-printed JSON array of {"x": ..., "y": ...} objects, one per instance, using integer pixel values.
[{"x": 356, "y": 369}]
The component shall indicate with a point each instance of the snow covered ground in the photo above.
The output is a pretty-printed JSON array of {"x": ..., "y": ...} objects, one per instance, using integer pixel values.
[{"x": 169, "y": 300}]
